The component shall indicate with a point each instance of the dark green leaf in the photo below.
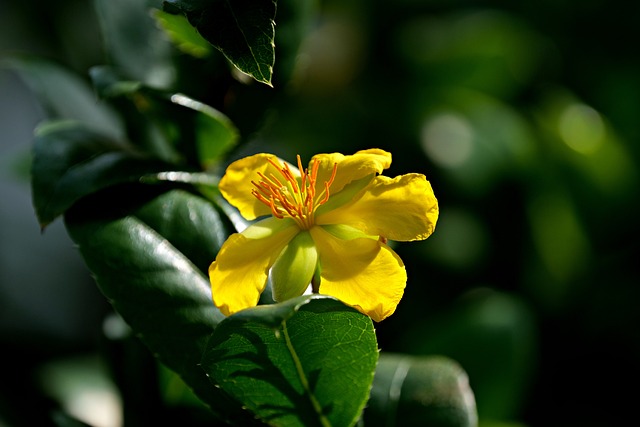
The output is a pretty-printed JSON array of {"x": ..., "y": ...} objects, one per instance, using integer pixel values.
[
  {"x": 60, "y": 418},
  {"x": 153, "y": 122},
  {"x": 155, "y": 287},
  {"x": 274, "y": 315},
  {"x": 65, "y": 96},
  {"x": 243, "y": 30},
  {"x": 215, "y": 133},
  {"x": 305, "y": 362},
  {"x": 207, "y": 184},
  {"x": 203, "y": 129},
  {"x": 194, "y": 225},
  {"x": 71, "y": 161},
  {"x": 110, "y": 84},
  {"x": 420, "y": 391}
]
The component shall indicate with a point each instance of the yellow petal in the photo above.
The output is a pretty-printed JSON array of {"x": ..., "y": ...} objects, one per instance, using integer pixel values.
[
  {"x": 346, "y": 232},
  {"x": 350, "y": 168},
  {"x": 362, "y": 273},
  {"x": 403, "y": 208},
  {"x": 236, "y": 184},
  {"x": 239, "y": 274}
]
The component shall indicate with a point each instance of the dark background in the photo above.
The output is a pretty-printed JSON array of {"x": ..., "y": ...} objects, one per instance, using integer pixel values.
[{"x": 524, "y": 117}]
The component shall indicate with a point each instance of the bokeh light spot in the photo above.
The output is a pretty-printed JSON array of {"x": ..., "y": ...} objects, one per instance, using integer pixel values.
[
  {"x": 581, "y": 128},
  {"x": 460, "y": 240},
  {"x": 447, "y": 139}
]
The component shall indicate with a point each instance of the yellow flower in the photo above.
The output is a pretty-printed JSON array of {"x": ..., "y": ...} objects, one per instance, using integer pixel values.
[{"x": 327, "y": 225}]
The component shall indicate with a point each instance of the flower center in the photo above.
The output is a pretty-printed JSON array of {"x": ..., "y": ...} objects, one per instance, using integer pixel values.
[{"x": 286, "y": 196}]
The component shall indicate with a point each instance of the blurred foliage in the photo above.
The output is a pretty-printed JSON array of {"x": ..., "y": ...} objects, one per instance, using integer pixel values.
[{"x": 523, "y": 117}]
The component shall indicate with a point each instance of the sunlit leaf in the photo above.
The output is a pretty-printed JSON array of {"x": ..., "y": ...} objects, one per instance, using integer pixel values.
[
  {"x": 71, "y": 161},
  {"x": 182, "y": 34},
  {"x": 243, "y": 30},
  {"x": 420, "y": 391},
  {"x": 308, "y": 361},
  {"x": 140, "y": 250},
  {"x": 193, "y": 178}
]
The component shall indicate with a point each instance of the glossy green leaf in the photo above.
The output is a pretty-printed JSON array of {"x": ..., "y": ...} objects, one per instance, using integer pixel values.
[
  {"x": 243, "y": 30},
  {"x": 136, "y": 260},
  {"x": 193, "y": 178},
  {"x": 194, "y": 225},
  {"x": 182, "y": 34},
  {"x": 420, "y": 391},
  {"x": 305, "y": 362},
  {"x": 71, "y": 161},
  {"x": 64, "y": 95},
  {"x": 215, "y": 133},
  {"x": 207, "y": 184}
]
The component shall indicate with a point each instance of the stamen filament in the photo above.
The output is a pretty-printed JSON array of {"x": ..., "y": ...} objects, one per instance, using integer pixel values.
[
  {"x": 286, "y": 196},
  {"x": 304, "y": 175},
  {"x": 327, "y": 184}
]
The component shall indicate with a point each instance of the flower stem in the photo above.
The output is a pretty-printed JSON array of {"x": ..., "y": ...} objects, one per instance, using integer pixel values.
[{"x": 315, "y": 284}]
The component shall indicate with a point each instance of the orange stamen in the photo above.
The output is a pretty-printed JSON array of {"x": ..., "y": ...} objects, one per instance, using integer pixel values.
[
  {"x": 327, "y": 184},
  {"x": 286, "y": 196}
]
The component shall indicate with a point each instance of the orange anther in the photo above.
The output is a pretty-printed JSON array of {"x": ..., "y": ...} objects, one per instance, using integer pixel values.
[{"x": 287, "y": 196}]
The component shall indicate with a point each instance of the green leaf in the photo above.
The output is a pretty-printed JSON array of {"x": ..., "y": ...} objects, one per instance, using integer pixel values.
[
  {"x": 202, "y": 129},
  {"x": 130, "y": 242},
  {"x": 155, "y": 124},
  {"x": 197, "y": 179},
  {"x": 71, "y": 161},
  {"x": 182, "y": 34},
  {"x": 134, "y": 43},
  {"x": 64, "y": 95},
  {"x": 420, "y": 391},
  {"x": 243, "y": 30},
  {"x": 305, "y": 362},
  {"x": 215, "y": 133},
  {"x": 194, "y": 225},
  {"x": 109, "y": 84}
]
